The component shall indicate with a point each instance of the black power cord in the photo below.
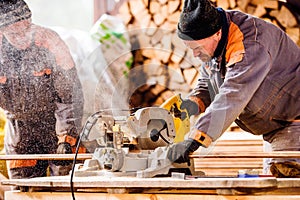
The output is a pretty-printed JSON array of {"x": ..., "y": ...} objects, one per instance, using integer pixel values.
[{"x": 90, "y": 122}]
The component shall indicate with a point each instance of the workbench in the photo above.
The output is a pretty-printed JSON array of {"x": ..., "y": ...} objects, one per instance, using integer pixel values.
[
  {"x": 163, "y": 188},
  {"x": 106, "y": 187}
]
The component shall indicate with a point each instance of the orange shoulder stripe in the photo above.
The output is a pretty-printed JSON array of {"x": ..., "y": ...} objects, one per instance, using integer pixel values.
[{"x": 235, "y": 48}]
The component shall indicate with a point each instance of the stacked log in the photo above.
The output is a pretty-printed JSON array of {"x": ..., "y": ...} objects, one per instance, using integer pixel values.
[{"x": 162, "y": 64}]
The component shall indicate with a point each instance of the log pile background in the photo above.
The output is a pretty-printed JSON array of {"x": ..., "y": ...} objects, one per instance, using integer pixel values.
[{"x": 161, "y": 60}]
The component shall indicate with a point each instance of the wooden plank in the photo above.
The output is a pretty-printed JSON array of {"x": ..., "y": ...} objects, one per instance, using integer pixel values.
[
  {"x": 109, "y": 181},
  {"x": 13, "y": 195},
  {"x": 221, "y": 187},
  {"x": 239, "y": 142},
  {"x": 46, "y": 157},
  {"x": 229, "y": 165},
  {"x": 222, "y": 172},
  {"x": 278, "y": 154},
  {"x": 218, "y": 160}
]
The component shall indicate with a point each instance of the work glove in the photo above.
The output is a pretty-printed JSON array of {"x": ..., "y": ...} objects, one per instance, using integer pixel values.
[
  {"x": 191, "y": 107},
  {"x": 179, "y": 152},
  {"x": 63, "y": 148},
  {"x": 65, "y": 144}
]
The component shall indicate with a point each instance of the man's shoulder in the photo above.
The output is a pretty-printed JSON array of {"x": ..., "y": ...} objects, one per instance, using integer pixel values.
[
  {"x": 237, "y": 14},
  {"x": 44, "y": 32}
]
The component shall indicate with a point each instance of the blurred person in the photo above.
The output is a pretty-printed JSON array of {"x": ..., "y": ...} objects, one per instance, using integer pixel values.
[
  {"x": 250, "y": 75},
  {"x": 39, "y": 90}
]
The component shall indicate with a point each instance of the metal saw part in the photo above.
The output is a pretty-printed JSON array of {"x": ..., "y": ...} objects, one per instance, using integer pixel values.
[
  {"x": 151, "y": 130},
  {"x": 148, "y": 120},
  {"x": 145, "y": 164},
  {"x": 109, "y": 158},
  {"x": 154, "y": 136}
]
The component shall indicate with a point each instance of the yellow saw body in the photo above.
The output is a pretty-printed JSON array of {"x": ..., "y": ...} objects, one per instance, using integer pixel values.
[{"x": 180, "y": 116}]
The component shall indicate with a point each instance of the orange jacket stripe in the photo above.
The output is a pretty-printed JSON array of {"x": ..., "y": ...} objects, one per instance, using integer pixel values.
[
  {"x": 235, "y": 48},
  {"x": 22, "y": 163}
]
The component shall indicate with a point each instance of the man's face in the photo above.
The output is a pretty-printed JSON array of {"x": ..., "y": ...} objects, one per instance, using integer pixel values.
[
  {"x": 17, "y": 27},
  {"x": 204, "y": 49}
]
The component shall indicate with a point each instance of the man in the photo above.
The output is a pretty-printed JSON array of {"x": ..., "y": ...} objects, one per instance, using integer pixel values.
[
  {"x": 251, "y": 75},
  {"x": 40, "y": 91}
]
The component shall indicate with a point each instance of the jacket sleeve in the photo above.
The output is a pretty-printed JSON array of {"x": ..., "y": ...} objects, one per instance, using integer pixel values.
[
  {"x": 70, "y": 102},
  {"x": 241, "y": 81},
  {"x": 69, "y": 93},
  {"x": 201, "y": 90}
]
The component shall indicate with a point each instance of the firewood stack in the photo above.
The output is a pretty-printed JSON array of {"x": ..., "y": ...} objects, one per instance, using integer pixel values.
[{"x": 162, "y": 64}]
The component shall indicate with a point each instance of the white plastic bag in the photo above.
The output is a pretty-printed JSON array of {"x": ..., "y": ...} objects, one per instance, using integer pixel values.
[{"x": 113, "y": 89}]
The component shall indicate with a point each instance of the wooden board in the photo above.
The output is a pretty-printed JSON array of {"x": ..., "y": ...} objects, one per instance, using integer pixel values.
[
  {"x": 219, "y": 154},
  {"x": 133, "y": 182},
  {"x": 104, "y": 187},
  {"x": 13, "y": 195}
]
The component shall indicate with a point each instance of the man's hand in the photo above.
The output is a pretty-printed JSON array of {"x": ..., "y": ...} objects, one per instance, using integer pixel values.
[
  {"x": 191, "y": 107},
  {"x": 179, "y": 152},
  {"x": 63, "y": 148}
]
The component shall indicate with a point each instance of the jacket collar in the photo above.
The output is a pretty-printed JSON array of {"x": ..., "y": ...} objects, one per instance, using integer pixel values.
[{"x": 220, "y": 50}]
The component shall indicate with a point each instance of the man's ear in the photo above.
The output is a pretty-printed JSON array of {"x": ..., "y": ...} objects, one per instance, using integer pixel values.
[{"x": 219, "y": 32}]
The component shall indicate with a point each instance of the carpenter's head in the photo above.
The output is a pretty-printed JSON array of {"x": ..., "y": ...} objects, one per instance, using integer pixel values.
[
  {"x": 12, "y": 11},
  {"x": 200, "y": 27}
]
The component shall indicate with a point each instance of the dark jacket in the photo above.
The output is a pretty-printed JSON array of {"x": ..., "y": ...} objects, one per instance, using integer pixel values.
[
  {"x": 261, "y": 87},
  {"x": 40, "y": 90}
]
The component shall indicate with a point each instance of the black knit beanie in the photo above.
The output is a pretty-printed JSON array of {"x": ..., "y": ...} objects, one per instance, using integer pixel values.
[
  {"x": 199, "y": 19},
  {"x": 12, "y": 11}
]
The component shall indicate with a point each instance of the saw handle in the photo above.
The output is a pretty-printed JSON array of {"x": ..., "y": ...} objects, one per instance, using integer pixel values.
[
  {"x": 175, "y": 99},
  {"x": 180, "y": 116}
]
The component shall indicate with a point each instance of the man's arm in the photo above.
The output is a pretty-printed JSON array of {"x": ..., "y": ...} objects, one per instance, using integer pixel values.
[
  {"x": 241, "y": 81},
  {"x": 67, "y": 85},
  {"x": 199, "y": 99}
]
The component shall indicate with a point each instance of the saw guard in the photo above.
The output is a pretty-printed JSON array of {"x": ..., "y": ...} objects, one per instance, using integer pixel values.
[{"x": 144, "y": 121}]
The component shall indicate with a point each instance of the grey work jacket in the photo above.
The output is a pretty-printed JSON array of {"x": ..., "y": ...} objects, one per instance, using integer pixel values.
[
  {"x": 261, "y": 88},
  {"x": 40, "y": 89}
]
